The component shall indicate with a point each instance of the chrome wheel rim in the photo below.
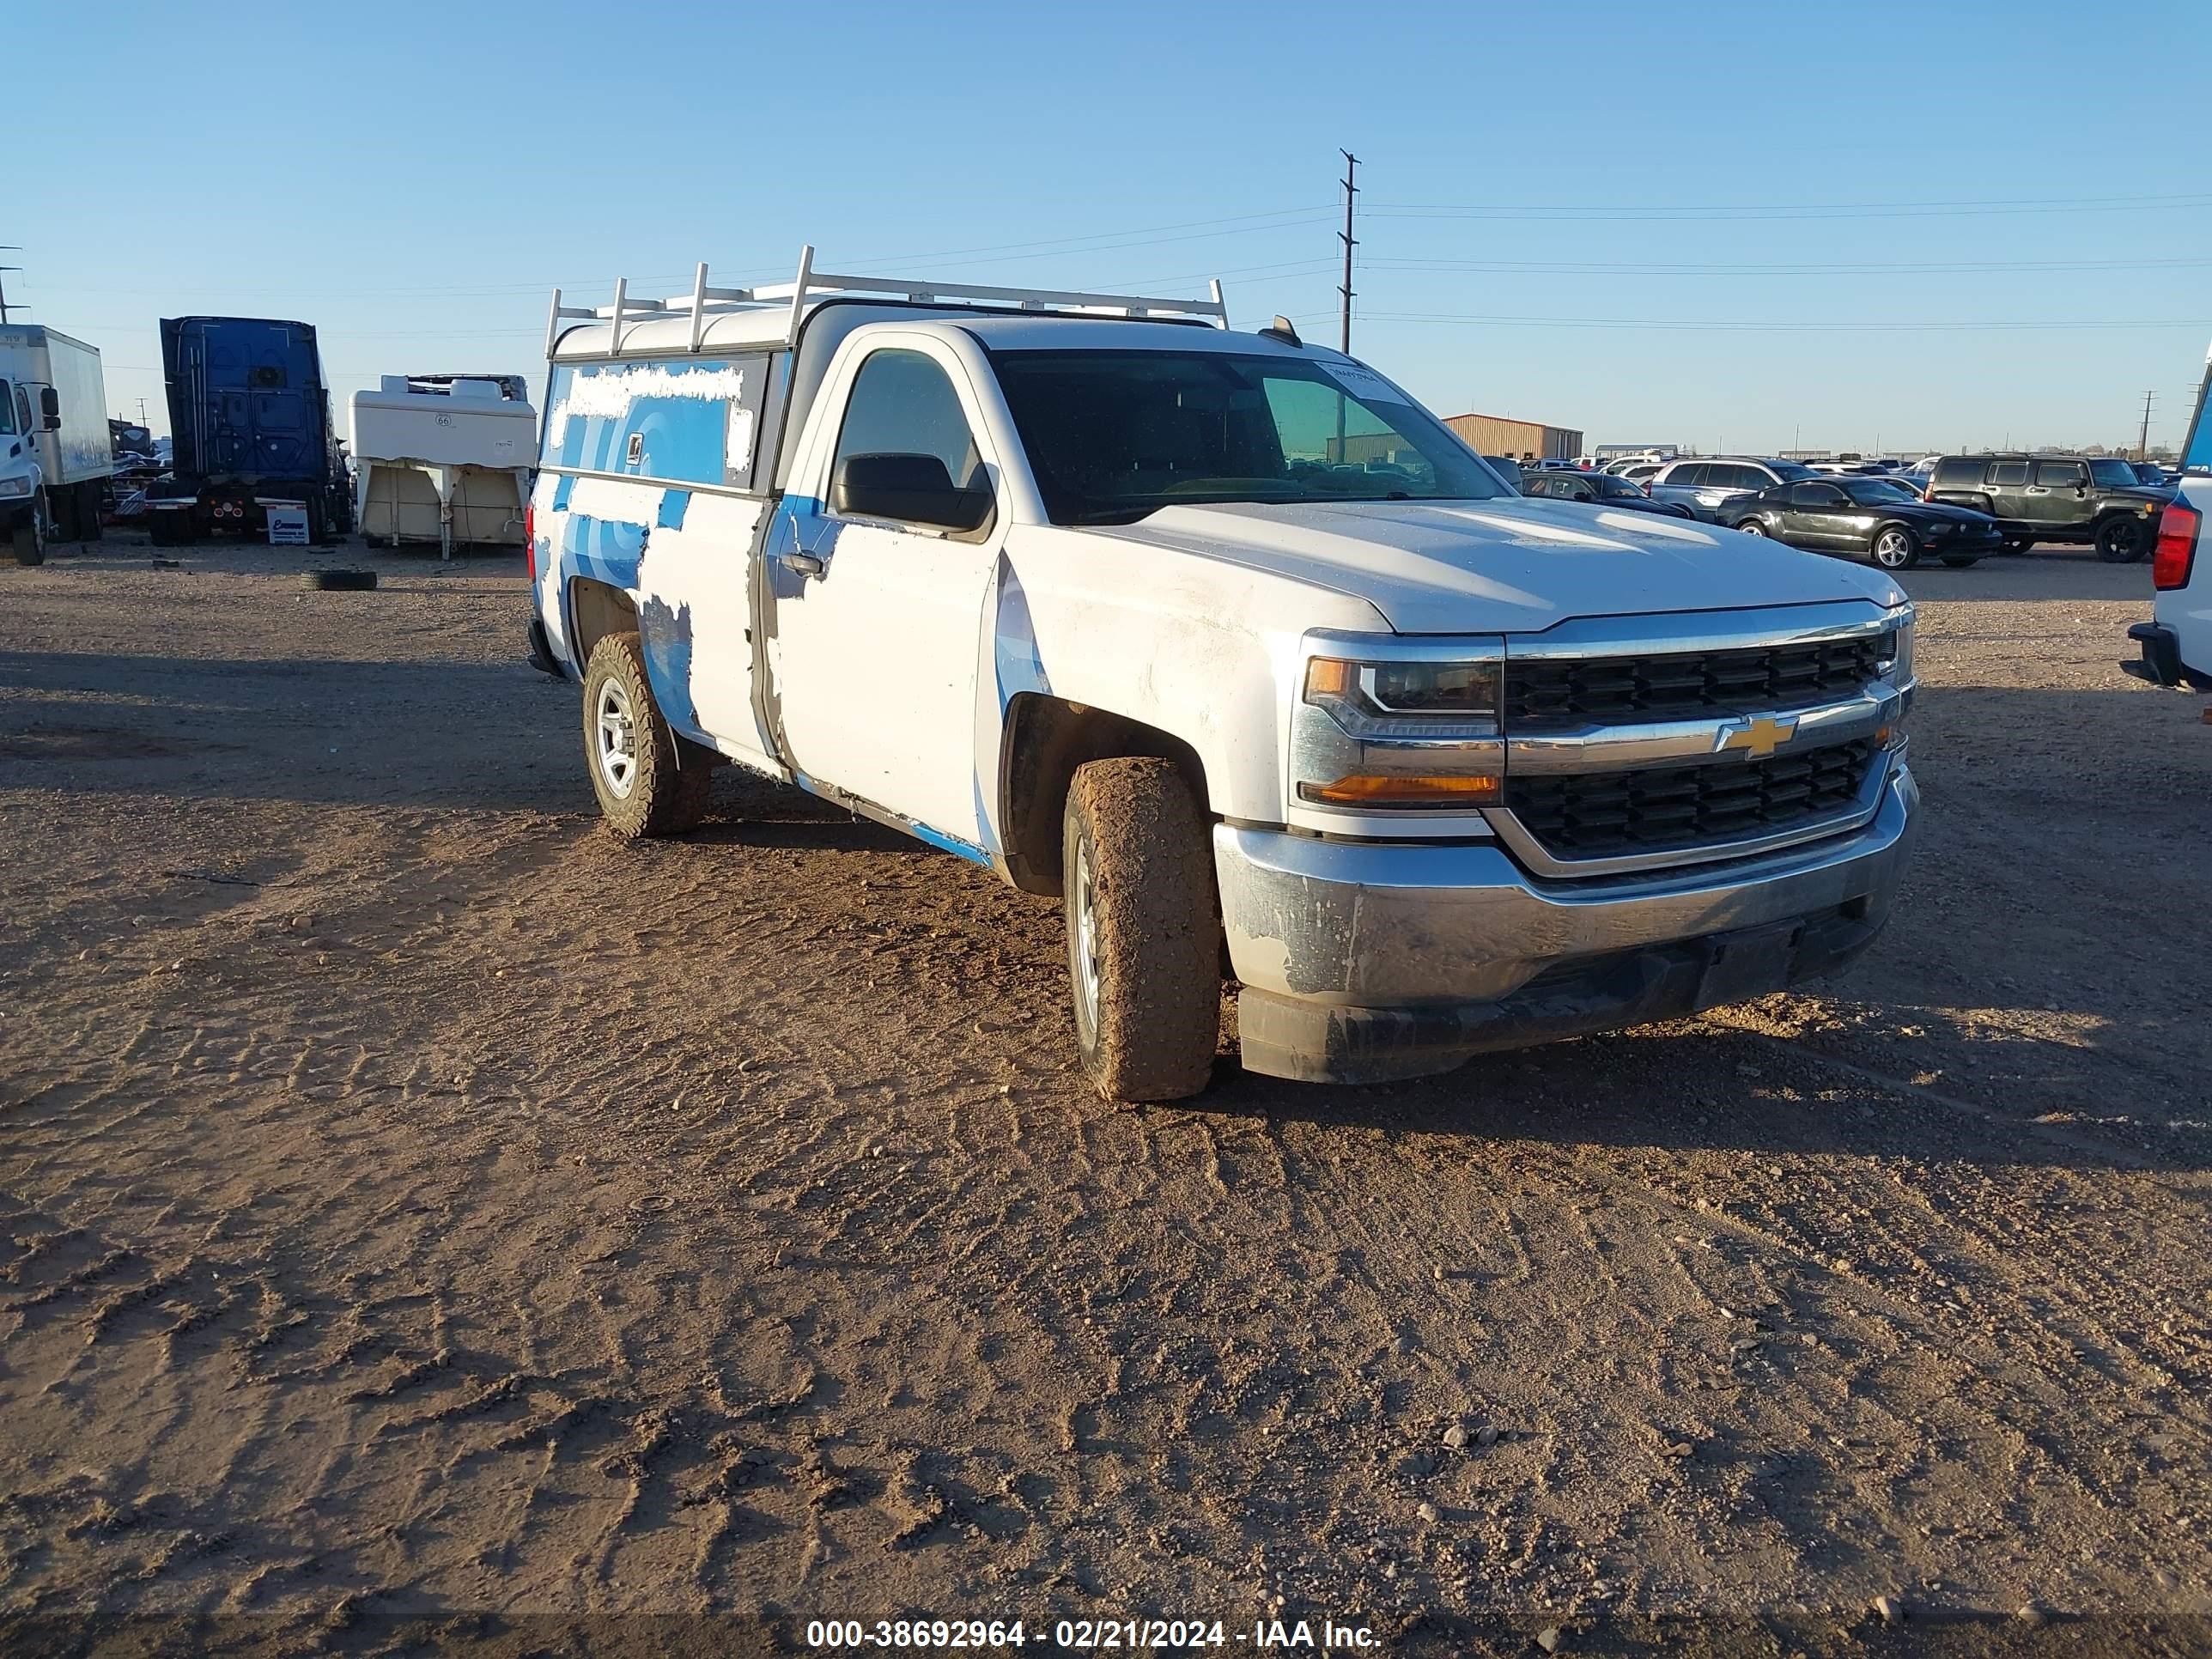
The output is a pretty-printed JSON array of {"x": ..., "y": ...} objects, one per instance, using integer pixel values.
[
  {"x": 1084, "y": 941},
  {"x": 1752, "y": 528},
  {"x": 1892, "y": 549},
  {"x": 616, "y": 739}
]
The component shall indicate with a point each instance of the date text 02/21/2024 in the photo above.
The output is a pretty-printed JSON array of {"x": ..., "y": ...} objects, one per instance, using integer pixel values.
[{"x": 1085, "y": 1633}]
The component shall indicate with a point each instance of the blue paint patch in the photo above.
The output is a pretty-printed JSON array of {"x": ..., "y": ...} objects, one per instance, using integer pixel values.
[
  {"x": 676, "y": 437},
  {"x": 673, "y": 504},
  {"x": 952, "y": 844},
  {"x": 921, "y": 832},
  {"x": 666, "y": 635},
  {"x": 563, "y": 487},
  {"x": 1013, "y": 642}
]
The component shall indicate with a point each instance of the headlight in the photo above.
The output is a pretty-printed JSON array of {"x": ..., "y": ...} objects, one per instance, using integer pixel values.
[
  {"x": 1896, "y": 667},
  {"x": 9, "y": 486},
  {"x": 1939, "y": 528},
  {"x": 1397, "y": 732}
]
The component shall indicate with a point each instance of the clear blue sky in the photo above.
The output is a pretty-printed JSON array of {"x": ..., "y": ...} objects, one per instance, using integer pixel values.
[{"x": 1744, "y": 226}]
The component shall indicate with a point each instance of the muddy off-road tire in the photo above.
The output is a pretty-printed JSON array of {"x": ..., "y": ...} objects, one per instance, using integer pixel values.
[
  {"x": 338, "y": 581},
  {"x": 647, "y": 784},
  {"x": 1143, "y": 935}
]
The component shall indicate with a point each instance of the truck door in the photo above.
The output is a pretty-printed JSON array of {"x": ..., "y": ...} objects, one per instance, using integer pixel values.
[
  {"x": 2007, "y": 486},
  {"x": 2059, "y": 496},
  {"x": 875, "y": 621}
]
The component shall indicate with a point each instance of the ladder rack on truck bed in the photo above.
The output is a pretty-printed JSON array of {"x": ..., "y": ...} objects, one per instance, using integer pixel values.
[{"x": 813, "y": 287}]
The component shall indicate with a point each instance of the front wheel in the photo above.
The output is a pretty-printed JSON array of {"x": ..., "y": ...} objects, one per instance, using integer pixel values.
[
  {"x": 1144, "y": 937},
  {"x": 645, "y": 784},
  {"x": 1896, "y": 549},
  {"x": 29, "y": 542},
  {"x": 2121, "y": 541}
]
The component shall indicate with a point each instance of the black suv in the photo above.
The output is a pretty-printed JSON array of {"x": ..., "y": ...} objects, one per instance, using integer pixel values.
[{"x": 2091, "y": 501}]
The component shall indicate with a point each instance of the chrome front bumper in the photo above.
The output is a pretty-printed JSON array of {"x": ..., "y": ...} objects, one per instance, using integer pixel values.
[{"x": 1362, "y": 962}]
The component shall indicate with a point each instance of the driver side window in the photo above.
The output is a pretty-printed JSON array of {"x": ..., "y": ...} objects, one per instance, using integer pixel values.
[
  {"x": 903, "y": 404},
  {"x": 1815, "y": 495},
  {"x": 7, "y": 410}
]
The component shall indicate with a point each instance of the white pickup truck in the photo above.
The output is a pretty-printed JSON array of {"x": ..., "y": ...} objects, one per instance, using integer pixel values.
[
  {"x": 2177, "y": 642},
  {"x": 1225, "y": 641}
]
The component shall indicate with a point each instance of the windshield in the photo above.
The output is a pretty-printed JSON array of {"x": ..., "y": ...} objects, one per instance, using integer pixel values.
[
  {"x": 1113, "y": 435},
  {"x": 1877, "y": 492},
  {"x": 7, "y": 410},
  {"x": 2114, "y": 472}
]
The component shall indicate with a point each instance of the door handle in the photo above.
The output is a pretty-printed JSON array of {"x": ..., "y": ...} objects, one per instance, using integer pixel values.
[{"x": 804, "y": 563}]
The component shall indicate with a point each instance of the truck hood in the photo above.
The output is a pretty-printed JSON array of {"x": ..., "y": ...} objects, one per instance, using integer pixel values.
[{"x": 1509, "y": 566}]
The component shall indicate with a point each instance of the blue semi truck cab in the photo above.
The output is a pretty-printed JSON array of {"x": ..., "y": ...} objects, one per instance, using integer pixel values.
[{"x": 250, "y": 416}]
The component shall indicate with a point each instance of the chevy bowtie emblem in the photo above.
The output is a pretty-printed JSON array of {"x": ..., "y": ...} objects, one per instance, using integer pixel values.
[{"x": 1761, "y": 737}]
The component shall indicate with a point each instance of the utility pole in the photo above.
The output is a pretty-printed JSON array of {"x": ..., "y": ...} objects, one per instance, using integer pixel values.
[
  {"x": 2142, "y": 444},
  {"x": 4, "y": 307},
  {"x": 1351, "y": 167}
]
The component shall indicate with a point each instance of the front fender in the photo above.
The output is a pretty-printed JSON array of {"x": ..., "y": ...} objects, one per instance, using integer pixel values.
[{"x": 1204, "y": 652}]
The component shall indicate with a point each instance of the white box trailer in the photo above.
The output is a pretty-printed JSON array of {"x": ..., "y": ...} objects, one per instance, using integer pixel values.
[
  {"x": 443, "y": 458},
  {"x": 75, "y": 456}
]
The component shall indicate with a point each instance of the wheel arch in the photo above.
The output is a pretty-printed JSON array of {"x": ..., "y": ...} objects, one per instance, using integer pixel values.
[
  {"x": 1046, "y": 738},
  {"x": 596, "y": 609}
]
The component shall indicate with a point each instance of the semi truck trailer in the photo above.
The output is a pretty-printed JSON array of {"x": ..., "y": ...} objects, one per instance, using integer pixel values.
[{"x": 250, "y": 419}]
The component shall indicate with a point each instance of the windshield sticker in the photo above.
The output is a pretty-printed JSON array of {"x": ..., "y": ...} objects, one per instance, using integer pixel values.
[{"x": 1362, "y": 382}]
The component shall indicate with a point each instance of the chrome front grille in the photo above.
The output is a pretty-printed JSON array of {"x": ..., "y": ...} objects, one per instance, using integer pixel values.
[
  {"x": 1607, "y": 815},
  {"x": 1542, "y": 692}
]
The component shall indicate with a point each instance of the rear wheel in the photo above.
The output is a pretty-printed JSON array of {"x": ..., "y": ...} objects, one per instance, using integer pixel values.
[
  {"x": 1895, "y": 548},
  {"x": 1957, "y": 562},
  {"x": 647, "y": 784},
  {"x": 2122, "y": 541},
  {"x": 1144, "y": 935},
  {"x": 1752, "y": 528},
  {"x": 2018, "y": 544}
]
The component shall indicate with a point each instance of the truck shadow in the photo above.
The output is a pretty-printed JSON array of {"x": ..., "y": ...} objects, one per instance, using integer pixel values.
[{"x": 1693, "y": 1086}]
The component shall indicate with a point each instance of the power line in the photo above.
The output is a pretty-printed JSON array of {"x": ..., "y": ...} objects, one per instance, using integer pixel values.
[
  {"x": 1756, "y": 212},
  {"x": 1608, "y": 268},
  {"x": 1778, "y": 328}
]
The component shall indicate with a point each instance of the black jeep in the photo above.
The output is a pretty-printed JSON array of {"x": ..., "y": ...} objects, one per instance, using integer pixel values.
[{"x": 2090, "y": 500}]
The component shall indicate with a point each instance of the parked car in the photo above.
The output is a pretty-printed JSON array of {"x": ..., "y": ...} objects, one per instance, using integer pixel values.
[
  {"x": 1642, "y": 473},
  {"x": 1602, "y": 489},
  {"x": 2177, "y": 642},
  {"x": 2150, "y": 473},
  {"x": 1100, "y": 603},
  {"x": 1870, "y": 518},
  {"x": 2094, "y": 502},
  {"x": 1509, "y": 470},
  {"x": 1707, "y": 486}
]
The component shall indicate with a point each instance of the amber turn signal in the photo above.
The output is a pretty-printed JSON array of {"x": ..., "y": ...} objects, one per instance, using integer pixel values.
[{"x": 1365, "y": 789}]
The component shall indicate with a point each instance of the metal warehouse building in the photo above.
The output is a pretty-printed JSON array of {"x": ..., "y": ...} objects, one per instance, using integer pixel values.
[{"x": 1493, "y": 435}]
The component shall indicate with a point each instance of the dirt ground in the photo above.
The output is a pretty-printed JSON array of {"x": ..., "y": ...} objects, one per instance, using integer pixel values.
[{"x": 426, "y": 1219}]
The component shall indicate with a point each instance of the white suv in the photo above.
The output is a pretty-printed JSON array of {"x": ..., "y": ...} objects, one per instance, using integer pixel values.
[{"x": 1707, "y": 485}]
